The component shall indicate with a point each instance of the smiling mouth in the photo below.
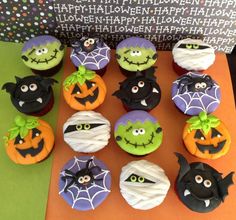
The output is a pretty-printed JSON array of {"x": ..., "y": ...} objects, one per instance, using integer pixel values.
[
  {"x": 89, "y": 98},
  {"x": 144, "y": 101},
  {"x": 150, "y": 141},
  {"x": 188, "y": 193},
  {"x": 137, "y": 64},
  {"x": 33, "y": 60},
  {"x": 31, "y": 151},
  {"x": 211, "y": 148},
  {"x": 39, "y": 100}
]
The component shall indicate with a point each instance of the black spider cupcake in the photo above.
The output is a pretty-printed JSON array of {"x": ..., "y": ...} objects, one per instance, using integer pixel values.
[
  {"x": 32, "y": 95},
  {"x": 140, "y": 91}
]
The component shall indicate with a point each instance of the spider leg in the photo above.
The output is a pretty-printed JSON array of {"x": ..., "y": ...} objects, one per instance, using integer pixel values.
[
  {"x": 69, "y": 172},
  {"x": 88, "y": 163},
  {"x": 68, "y": 185},
  {"x": 64, "y": 178}
]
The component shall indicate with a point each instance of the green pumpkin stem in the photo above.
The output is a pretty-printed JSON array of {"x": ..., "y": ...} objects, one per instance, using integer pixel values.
[
  {"x": 80, "y": 77},
  {"x": 204, "y": 122}
]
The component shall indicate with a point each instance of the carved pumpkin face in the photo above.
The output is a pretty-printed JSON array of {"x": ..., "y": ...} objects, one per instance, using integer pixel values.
[
  {"x": 208, "y": 143},
  {"x": 33, "y": 146},
  {"x": 84, "y": 90}
]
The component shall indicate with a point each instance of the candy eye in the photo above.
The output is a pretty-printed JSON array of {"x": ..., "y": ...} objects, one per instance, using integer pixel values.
[
  {"x": 207, "y": 183},
  {"x": 198, "y": 86},
  {"x": 24, "y": 88},
  {"x": 198, "y": 179},
  {"x": 141, "y": 131},
  {"x": 141, "y": 179},
  {"x": 81, "y": 180},
  {"x": 203, "y": 85},
  {"x": 38, "y": 52},
  {"x": 91, "y": 41},
  {"x": 132, "y": 53},
  {"x": 87, "y": 126},
  {"x": 138, "y": 53},
  {"x": 135, "y": 132},
  {"x": 133, "y": 179},
  {"x": 33, "y": 87},
  {"x": 141, "y": 84},
  {"x": 87, "y": 178},
  {"x": 79, "y": 127},
  {"x": 86, "y": 43},
  {"x": 134, "y": 89},
  {"x": 189, "y": 46},
  {"x": 44, "y": 50},
  {"x": 195, "y": 46}
]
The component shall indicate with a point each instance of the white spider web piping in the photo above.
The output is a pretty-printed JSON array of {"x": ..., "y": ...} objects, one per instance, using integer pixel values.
[
  {"x": 78, "y": 194},
  {"x": 204, "y": 101}
]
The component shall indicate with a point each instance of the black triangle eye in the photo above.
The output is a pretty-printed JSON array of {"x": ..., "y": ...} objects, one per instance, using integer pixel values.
[
  {"x": 76, "y": 90},
  {"x": 35, "y": 132},
  {"x": 215, "y": 133},
  {"x": 199, "y": 135},
  {"x": 19, "y": 140}
]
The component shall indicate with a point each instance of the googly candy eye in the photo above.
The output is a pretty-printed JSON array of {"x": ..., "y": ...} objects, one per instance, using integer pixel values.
[
  {"x": 24, "y": 88},
  {"x": 198, "y": 179}
]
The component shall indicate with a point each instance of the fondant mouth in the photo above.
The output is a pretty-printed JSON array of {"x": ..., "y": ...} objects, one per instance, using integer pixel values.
[
  {"x": 52, "y": 57},
  {"x": 39, "y": 100},
  {"x": 89, "y": 98},
  {"x": 144, "y": 101},
  {"x": 150, "y": 141},
  {"x": 137, "y": 64},
  {"x": 210, "y": 148}
]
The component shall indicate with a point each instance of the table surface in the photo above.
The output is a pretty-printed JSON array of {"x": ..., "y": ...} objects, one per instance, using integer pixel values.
[{"x": 25, "y": 190}]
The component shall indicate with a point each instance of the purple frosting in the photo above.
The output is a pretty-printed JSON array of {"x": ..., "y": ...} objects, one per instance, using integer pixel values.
[
  {"x": 192, "y": 103},
  {"x": 91, "y": 195},
  {"x": 37, "y": 41},
  {"x": 136, "y": 42},
  {"x": 134, "y": 116}
]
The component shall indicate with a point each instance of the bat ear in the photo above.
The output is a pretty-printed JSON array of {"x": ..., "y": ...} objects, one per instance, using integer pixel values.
[
  {"x": 184, "y": 166},
  {"x": 17, "y": 79},
  {"x": 120, "y": 94},
  {"x": 200, "y": 166},
  {"x": 9, "y": 87},
  {"x": 224, "y": 185},
  {"x": 48, "y": 82},
  {"x": 138, "y": 73},
  {"x": 149, "y": 73}
]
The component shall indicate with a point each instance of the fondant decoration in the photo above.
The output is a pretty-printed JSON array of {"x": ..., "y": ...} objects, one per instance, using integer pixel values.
[
  {"x": 140, "y": 92},
  {"x": 84, "y": 90},
  {"x": 92, "y": 53},
  {"x": 143, "y": 184},
  {"x": 31, "y": 94},
  {"x": 200, "y": 187},
  {"x": 136, "y": 54},
  {"x": 87, "y": 131},
  {"x": 42, "y": 52},
  {"x": 29, "y": 141},
  {"x": 84, "y": 182},
  {"x": 193, "y": 54},
  {"x": 205, "y": 136},
  {"x": 138, "y": 133},
  {"x": 194, "y": 92}
]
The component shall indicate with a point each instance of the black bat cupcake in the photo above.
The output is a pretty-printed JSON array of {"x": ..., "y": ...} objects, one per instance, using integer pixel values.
[
  {"x": 140, "y": 92},
  {"x": 32, "y": 95},
  {"x": 200, "y": 187}
]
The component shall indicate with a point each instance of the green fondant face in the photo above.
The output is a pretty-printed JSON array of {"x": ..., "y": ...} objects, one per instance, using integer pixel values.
[
  {"x": 136, "y": 58},
  {"x": 44, "y": 56},
  {"x": 139, "y": 138}
]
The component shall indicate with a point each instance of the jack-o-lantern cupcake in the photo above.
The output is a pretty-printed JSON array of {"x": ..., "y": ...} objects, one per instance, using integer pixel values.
[
  {"x": 206, "y": 136},
  {"x": 29, "y": 141},
  {"x": 84, "y": 90}
]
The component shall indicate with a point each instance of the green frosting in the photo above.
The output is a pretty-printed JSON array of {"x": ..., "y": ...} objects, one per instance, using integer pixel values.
[
  {"x": 135, "y": 58},
  {"x": 44, "y": 56},
  {"x": 204, "y": 122},
  {"x": 22, "y": 126},
  {"x": 139, "y": 138},
  {"x": 80, "y": 77}
]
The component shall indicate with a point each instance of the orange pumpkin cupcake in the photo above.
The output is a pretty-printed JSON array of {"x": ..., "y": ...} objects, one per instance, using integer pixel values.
[
  {"x": 84, "y": 90},
  {"x": 29, "y": 141},
  {"x": 206, "y": 136}
]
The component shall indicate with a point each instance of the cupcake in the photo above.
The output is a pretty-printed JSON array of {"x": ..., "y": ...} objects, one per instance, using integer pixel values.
[
  {"x": 206, "y": 136},
  {"x": 193, "y": 93},
  {"x": 84, "y": 90},
  {"x": 32, "y": 95},
  {"x": 92, "y": 53},
  {"x": 200, "y": 187},
  {"x": 84, "y": 182},
  {"x": 135, "y": 54},
  {"x": 138, "y": 133},
  {"x": 43, "y": 54},
  {"x": 140, "y": 91},
  {"x": 29, "y": 141},
  {"x": 87, "y": 131},
  {"x": 192, "y": 55},
  {"x": 143, "y": 184}
]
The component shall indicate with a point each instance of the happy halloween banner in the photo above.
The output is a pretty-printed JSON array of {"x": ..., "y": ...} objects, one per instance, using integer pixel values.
[{"x": 164, "y": 22}]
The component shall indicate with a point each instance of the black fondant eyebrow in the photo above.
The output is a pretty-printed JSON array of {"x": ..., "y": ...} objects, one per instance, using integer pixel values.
[
  {"x": 201, "y": 47},
  {"x": 129, "y": 128},
  {"x": 127, "y": 51},
  {"x": 31, "y": 51}
]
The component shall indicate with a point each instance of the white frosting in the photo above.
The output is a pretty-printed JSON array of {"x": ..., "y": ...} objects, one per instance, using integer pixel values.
[
  {"x": 144, "y": 195},
  {"x": 193, "y": 59},
  {"x": 87, "y": 141}
]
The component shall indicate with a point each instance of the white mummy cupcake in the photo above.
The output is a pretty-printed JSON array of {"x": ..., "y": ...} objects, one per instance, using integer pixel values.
[
  {"x": 192, "y": 55},
  {"x": 143, "y": 184},
  {"x": 87, "y": 131}
]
